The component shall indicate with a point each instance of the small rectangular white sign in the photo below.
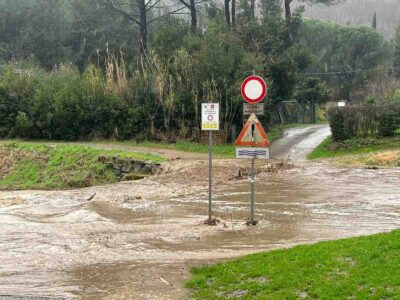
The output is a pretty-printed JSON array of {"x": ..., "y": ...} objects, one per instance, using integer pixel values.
[
  {"x": 210, "y": 116},
  {"x": 257, "y": 109},
  {"x": 252, "y": 152}
]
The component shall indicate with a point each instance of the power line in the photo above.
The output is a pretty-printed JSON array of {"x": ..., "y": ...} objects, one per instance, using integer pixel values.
[{"x": 353, "y": 71}]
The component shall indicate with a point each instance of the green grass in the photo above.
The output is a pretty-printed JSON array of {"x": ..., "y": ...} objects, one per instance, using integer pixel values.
[
  {"x": 225, "y": 150},
  {"x": 38, "y": 166},
  {"x": 354, "y": 147},
  {"x": 357, "y": 268}
]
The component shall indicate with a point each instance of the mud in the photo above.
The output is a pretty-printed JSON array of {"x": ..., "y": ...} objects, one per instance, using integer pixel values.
[{"x": 138, "y": 240}]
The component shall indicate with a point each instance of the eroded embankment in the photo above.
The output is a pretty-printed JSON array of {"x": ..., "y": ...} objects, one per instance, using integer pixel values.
[{"x": 39, "y": 166}]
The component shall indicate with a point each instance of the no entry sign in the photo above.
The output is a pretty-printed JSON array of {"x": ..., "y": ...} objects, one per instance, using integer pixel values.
[{"x": 254, "y": 89}]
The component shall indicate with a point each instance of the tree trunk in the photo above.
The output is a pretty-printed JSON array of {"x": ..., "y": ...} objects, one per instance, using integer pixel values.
[
  {"x": 227, "y": 13},
  {"x": 288, "y": 12},
  {"x": 233, "y": 14},
  {"x": 253, "y": 8},
  {"x": 314, "y": 113},
  {"x": 142, "y": 30},
  {"x": 193, "y": 16}
]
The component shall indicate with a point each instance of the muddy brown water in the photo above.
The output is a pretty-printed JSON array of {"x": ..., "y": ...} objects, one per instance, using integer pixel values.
[{"x": 138, "y": 240}]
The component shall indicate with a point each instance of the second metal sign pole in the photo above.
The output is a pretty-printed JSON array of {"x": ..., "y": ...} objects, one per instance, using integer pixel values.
[
  {"x": 210, "y": 181},
  {"x": 253, "y": 178}
]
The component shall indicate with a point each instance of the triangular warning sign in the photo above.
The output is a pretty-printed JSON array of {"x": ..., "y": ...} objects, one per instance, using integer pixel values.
[{"x": 253, "y": 135}]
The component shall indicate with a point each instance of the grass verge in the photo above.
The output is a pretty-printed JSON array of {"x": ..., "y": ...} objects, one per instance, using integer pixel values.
[
  {"x": 38, "y": 166},
  {"x": 358, "y": 148},
  {"x": 357, "y": 268},
  {"x": 225, "y": 150}
]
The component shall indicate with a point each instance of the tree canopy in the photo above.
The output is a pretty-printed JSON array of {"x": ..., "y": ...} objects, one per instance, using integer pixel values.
[{"x": 93, "y": 59}]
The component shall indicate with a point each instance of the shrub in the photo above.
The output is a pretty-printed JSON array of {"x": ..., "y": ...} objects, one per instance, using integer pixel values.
[
  {"x": 61, "y": 105},
  {"x": 389, "y": 122},
  {"x": 23, "y": 126},
  {"x": 363, "y": 121},
  {"x": 337, "y": 123}
]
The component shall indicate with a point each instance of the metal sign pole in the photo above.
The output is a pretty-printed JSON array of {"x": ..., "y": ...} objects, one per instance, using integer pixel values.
[
  {"x": 253, "y": 176},
  {"x": 210, "y": 141},
  {"x": 252, "y": 179},
  {"x": 210, "y": 123}
]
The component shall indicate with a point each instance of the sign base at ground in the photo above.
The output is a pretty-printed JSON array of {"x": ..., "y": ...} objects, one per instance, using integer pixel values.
[{"x": 252, "y": 152}]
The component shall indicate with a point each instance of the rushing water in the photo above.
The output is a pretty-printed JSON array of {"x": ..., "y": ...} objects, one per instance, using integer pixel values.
[{"x": 57, "y": 244}]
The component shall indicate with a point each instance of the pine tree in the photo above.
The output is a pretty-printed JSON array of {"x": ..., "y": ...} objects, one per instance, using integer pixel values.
[
  {"x": 374, "y": 21},
  {"x": 396, "y": 56}
]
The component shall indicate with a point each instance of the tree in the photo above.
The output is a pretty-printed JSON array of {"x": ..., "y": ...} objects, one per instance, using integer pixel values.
[
  {"x": 396, "y": 56},
  {"x": 191, "y": 5},
  {"x": 141, "y": 13},
  {"x": 340, "y": 51},
  {"x": 310, "y": 92},
  {"x": 96, "y": 29},
  {"x": 227, "y": 12},
  {"x": 271, "y": 9},
  {"x": 169, "y": 37},
  {"x": 233, "y": 10},
  {"x": 13, "y": 23},
  {"x": 36, "y": 29},
  {"x": 374, "y": 21},
  {"x": 288, "y": 12}
]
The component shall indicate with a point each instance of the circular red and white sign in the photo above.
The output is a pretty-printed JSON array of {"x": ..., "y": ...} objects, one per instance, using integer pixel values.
[{"x": 254, "y": 89}]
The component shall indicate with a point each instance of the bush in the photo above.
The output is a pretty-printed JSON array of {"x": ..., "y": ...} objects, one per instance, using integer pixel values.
[
  {"x": 336, "y": 121},
  {"x": 389, "y": 122},
  {"x": 363, "y": 121},
  {"x": 23, "y": 126},
  {"x": 61, "y": 105}
]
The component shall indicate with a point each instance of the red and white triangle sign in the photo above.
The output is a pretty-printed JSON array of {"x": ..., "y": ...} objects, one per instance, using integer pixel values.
[{"x": 253, "y": 134}]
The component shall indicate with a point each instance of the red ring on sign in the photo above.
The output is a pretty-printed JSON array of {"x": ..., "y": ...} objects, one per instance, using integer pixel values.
[{"x": 263, "y": 85}]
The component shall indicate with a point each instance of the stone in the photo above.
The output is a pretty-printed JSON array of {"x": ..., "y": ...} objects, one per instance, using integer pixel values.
[
  {"x": 117, "y": 172},
  {"x": 127, "y": 167},
  {"x": 132, "y": 176},
  {"x": 147, "y": 169},
  {"x": 138, "y": 168}
]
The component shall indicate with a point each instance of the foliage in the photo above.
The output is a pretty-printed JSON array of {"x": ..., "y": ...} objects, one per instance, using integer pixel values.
[
  {"x": 60, "y": 105},
  {"x": 344, "y": 48},
  {"x": 95, "y": 87},
  {"x": 336, "y": 121},
  {"x": 363, "y": 121},
  {"x": 389, "y": 122},
  {"x": 310, "y": 92},
  {"x": 379, "y": 90},
  {"x": 354, "y": 147},
  {"x": 361, "y": 268},
  {"x": 396, "y": 56},
  {"x": 37, "y": 166},
  {"x": 374, "y": 22}
]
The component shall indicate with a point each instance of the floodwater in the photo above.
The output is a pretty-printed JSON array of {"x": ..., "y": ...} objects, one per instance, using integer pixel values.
[{"x": 138, "y": 240}]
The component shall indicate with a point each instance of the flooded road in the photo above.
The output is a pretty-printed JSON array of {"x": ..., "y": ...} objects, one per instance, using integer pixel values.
[{"x": 137, "y": 240}]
